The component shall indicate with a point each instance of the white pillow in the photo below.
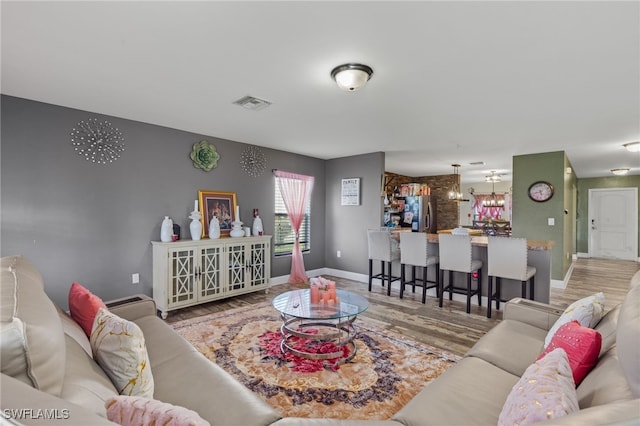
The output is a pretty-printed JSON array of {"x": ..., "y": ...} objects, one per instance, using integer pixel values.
[
  {"x": 587, "y": 311},
  {"x": 545, "y": 391},
  {"x": 119, "y": 348}
]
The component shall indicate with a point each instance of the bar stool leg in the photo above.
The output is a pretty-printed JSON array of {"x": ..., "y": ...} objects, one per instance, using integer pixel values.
[
  {"x": 498, "y": 292},
  {"x": 370, "y": 272},
  {"x": 479, "y": 287},
  {"x": 450, "y": 285},
  {"x": 531, "y": 288},
  {"x": 413, "y": 278},
  {"x": 524, "y": 289},
  {"x": 438, "y": 292},
  {"x": 402, "y": 277},
  {"x": 469, "y": 292},
  {"x": 382, "y": 269},
  {"x": 489, "y": 295},
  {"x": 441, "y": 288},
  {"x": 424, "y": 285},
  {"x": 389, "y": 279}
]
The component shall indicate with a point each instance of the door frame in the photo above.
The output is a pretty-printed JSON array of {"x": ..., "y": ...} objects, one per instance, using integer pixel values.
[{"x": 634, "y": 221}]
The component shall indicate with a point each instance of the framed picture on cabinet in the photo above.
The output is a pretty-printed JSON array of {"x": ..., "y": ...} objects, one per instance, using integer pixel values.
[{"x": 221, "y": 205}]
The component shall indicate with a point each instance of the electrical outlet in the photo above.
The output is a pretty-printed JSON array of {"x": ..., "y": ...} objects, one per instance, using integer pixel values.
[
  {"x": 338, "y": 254},
  {"x": 551, "y": 221},
  {"x": 135, "y": 278}
]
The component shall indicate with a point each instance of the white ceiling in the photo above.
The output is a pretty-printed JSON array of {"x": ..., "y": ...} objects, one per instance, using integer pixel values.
[{"x": 454, "y": 82}]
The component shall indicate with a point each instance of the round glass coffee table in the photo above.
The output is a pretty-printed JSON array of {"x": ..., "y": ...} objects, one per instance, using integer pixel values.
[{"x": 324, "y": 323}]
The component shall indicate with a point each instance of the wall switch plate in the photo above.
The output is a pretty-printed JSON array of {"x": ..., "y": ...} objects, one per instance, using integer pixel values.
[
  {"x": 135, "y": 278},
  {"x": 551, "y": 221},
  {"x": 338, "y": 253}
]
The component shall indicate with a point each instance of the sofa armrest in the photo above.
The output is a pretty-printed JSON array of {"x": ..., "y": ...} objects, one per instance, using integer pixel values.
[
  {"x": 133, "y": 307},
  {"x": 530, "y": 312},
  {"x": 24, "y": 405}
]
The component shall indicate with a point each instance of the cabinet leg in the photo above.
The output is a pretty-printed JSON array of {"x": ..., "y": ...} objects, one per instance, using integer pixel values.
[{"x": 164, "y": 315}]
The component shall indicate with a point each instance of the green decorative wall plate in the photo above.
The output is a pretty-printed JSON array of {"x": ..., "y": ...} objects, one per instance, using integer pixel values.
[{"x": 204, "y": 156}]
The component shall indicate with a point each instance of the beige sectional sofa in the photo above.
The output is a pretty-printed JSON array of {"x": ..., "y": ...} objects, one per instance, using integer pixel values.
[{"x": 62, "y": 377}]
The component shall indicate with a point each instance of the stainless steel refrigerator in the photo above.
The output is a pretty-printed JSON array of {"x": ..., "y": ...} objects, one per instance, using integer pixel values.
[{"x": 419, "y": 214}]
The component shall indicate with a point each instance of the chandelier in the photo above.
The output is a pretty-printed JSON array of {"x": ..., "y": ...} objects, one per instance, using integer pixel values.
[
  {"x": 493, "y": 200},
  {"x": 455, "y": 193}
]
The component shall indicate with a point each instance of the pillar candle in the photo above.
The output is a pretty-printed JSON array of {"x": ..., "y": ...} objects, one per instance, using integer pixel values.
[
  {"x": 237, "y": 213},
  {"x": 315, "y": 294},
  {"x": 195, "y": 206}
]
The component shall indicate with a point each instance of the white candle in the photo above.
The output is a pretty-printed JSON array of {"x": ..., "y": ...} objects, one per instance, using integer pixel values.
[
  {"x": 195, "y": 206},
  {"x": 237, "y": 213}
]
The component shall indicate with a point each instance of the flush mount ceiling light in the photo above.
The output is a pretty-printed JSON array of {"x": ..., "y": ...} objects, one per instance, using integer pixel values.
[
  {"x": 619, "y": 172},
  {"x": 351, "y": 77},
  {"x": 632, "y": 146}
]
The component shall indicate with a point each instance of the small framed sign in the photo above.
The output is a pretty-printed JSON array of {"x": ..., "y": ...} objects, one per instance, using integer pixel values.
[{"x": 350, "y": 195}]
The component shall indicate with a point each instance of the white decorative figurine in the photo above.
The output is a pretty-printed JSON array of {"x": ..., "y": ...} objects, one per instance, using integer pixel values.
[
  {"x": 257, "y": 223},
  {"x": 195, "y": 226}
]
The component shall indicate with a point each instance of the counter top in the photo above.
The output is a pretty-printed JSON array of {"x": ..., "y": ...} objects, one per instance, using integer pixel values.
[
  {"x": 482, "y": 241},
  {"x": 472, "y": 232}
]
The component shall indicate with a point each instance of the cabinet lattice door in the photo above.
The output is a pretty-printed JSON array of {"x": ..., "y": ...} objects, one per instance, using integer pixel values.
[{"x": 182, "y": 276}]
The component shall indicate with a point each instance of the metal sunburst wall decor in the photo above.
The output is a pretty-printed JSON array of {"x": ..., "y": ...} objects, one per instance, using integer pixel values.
[
  {"x": 97, "y": 141},
  {"x": 253, "y": 161}
]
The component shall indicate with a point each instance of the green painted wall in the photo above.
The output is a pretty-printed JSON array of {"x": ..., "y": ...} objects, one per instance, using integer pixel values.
[
  {"x": 584, "y": 185},
  {"x": 530, "y": 219}
]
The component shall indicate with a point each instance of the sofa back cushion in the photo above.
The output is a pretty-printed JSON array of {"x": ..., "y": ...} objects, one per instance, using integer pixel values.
[
  {"x": 605, "y": 383},
  {"x": 628, "y": 335},
  {"x": 32, "y": 339}
]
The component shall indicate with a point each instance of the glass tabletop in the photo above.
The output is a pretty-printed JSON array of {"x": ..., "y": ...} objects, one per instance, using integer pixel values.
[{"x": 297, "y": 303}]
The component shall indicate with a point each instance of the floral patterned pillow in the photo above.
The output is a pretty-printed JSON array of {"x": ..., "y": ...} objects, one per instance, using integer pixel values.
[
  {"x": 545, "y": 391},
  {"x": 119, "y": 348},
  {"x": 587, "y": 311}
]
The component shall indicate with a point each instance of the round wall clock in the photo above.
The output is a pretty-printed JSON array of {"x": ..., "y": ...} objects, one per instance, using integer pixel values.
[
  {"x": 540, "y": 191},
  {"x": 253, "y": 161},
  {"x": 97, "y": 141}
]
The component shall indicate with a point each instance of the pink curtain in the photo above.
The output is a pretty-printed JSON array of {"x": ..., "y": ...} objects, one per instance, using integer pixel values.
[
  {"x": 295, "y": 190},
  {"x": 487, "y": 212}
]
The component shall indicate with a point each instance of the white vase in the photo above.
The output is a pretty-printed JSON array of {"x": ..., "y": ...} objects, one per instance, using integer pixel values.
[
  {"x": 166, "y": 230},
  {"x": 214, "y": 228},
  {"x": 196, "y": 229},
  {"x": 257, "y": 226},
  {"x": 236, "y": 230}
]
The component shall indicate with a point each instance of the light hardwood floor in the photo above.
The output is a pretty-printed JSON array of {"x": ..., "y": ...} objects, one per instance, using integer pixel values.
[{"x": 450, "y": 327}]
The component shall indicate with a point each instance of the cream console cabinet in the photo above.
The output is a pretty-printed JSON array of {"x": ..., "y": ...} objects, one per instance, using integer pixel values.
[{"x": 188, "y": 272}]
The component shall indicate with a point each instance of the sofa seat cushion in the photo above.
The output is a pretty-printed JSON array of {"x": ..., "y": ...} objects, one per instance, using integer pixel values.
[
  {"x": 471, "y": 392},
  {"x": 628, "y": 335},
  {"x": 163, "y": 344},
  {"x": 511, "y": 346},
  {"x": 85, "y": 383},
  {"x": 37, "y": 339},
  {"x": 235, "y": 405}
]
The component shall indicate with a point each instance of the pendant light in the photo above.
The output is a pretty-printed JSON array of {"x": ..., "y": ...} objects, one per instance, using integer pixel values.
[
  {"x": 455, "y": 193},
  {"x": 493, "y": 199}
]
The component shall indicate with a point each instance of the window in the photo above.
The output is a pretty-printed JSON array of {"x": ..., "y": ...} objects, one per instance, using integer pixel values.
[{"x": 284, "y": 237}]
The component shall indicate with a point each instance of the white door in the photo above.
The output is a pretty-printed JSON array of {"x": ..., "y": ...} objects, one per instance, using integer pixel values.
[{"x": 613, "y": 223}]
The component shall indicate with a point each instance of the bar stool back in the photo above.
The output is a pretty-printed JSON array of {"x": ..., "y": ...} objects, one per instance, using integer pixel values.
[
  {"x": 384, "y": 249},
  {"x": 456, "y": 255},
  {"x": 507, "y": 258},
  {"x": 414, "y": 251}
]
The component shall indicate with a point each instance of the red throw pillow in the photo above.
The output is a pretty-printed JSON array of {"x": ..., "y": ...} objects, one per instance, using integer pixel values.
[
  {"x": 83, "y": 306},
  {"x": 582, "y": 345}
]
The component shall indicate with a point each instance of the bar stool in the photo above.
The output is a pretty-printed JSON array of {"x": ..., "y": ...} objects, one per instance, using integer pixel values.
[
  {"x": 383, "y": 248},
  {"x": 456, "y": 255},
  {"x": 507, "y": 258},
  {"x": 414, "y": 251}
]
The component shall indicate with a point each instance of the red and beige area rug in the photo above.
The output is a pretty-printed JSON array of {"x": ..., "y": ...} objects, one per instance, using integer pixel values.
[{"x": 386, "y": 372}]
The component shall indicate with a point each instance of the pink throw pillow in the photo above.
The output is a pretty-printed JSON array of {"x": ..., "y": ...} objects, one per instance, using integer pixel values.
[
  {"x": 83, "y": 306},
  {"x": 582, "y": 345},
  {"x": 140, "y": 411},
  {"x": 545, "y": 391}
]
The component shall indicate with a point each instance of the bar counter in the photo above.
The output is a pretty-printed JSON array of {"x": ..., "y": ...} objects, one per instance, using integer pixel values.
[{"x": 538, "y": 255}]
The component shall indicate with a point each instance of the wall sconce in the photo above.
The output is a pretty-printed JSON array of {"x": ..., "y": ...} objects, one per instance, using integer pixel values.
[
  {"x": 632, "y": 146},
  {"x": 351, "y": 77}
]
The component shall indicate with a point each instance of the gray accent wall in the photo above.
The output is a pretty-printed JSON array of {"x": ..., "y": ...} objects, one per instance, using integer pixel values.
[
  {"x": 93, "y": 223},
  {"x": 347, "y": 225}
]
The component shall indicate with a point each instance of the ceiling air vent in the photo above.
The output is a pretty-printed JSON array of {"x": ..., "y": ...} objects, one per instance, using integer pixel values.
[
  {"x": 477, "y": 163},
  {"x": 252, "y": 103}
]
